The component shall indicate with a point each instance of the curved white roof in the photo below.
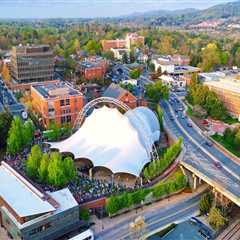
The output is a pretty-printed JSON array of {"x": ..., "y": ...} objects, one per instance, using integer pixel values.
[{"x": 113, "y": 140}]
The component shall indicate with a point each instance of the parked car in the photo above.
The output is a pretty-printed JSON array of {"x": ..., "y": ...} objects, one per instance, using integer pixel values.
[{"x": 189, "y": 124}]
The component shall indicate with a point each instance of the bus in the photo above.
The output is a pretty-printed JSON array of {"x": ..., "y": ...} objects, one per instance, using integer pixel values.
[{"x": 86, "y": 235}]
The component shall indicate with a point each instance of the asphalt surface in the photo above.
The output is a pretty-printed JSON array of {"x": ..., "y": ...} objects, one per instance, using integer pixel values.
[
  {"x": 226, "y": 176},
  {"x": 155, "y": 219}
]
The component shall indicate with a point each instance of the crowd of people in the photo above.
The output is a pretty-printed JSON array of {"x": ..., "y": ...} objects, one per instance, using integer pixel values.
[{"x": 83, "y": 188}]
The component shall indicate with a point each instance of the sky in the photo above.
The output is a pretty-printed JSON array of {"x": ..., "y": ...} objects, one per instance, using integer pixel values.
[{"x": 93, "y": 8}]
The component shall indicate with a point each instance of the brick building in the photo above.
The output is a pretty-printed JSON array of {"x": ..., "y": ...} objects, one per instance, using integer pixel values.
[
  {"x": 28, "y": 213},
  {"x": 115, "y": 91},
  {"x": 134, "y": 39},
  {"x": 130, "y": 40},
  {"x": 92, "y": 68},
  {"x": 32, "y": 63},
  {"x": 56, "y": 102},
  {"x": 227, "y": 87},
  {"x": 108, "y": 44}
]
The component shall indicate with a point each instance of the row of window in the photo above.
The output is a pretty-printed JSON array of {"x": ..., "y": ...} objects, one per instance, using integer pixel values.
[
  {"x": 65, "y": 102},
  {"x": 66, "y": 119}
]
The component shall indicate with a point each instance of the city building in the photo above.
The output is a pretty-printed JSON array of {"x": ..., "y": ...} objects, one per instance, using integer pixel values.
[
  {"x": 8, "y": 102},
  {"x": 115, "y": 91},
  {"x": 119, "y": 53},
  {"x": 56, "y": 102},
  {"x": 28, "y": 213},
  {"x": 92, "y": 68},
  {"x": 108, "y": 44},
  {"x": 32, "y": 63},
  {"x": 227, "y": 87},
  {"x": 132, "y": 39}
]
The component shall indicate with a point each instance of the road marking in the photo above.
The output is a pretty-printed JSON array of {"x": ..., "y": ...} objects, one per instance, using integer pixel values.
[
  {"x": 166, "y": 217},
  {"x": 203, "y": 149}
]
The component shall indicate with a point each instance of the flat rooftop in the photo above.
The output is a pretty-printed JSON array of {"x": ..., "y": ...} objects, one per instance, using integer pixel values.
[
  {"x": 221, "y": 81},
  {"x": 20, "y": 195},
  {"x": 53, "y": 90},
  {"x": 185, "y": 69}
]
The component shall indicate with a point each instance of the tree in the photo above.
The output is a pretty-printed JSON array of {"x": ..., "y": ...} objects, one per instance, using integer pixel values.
[
  {"x": 237, "y": 57},
  {"x": 205, "y": 203},
  {"x": 93, "y": 47},
  {"x": 15, "y": 140},
  {"x": 56, "y": 171},
  {"x": 6, "y": 73},
  {"x": 135, "y": 73},
  {"x": 157, "y": 91},
  {"x": 229, "y": 135},
  {"x": 210, "y": 57},
  {"x": 43, "y": 168},
  {"x": 70, "y": 170},
  {"x": 237, "y": 140},
  {"x": 84, "y": 214},
  {"x": 216, "y": 219},
  {"x": 125, "y": 58},
  {"x": 33, "y": 162},
  {"x": 28, "y": 132},
  {"x": 55, "y": 131},
  {"x": 5, "y": 124}
]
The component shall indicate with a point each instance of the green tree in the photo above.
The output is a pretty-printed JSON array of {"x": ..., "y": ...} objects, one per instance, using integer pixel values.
[
  {"x": 237, "y": 140},
  {"x": 33, "y": 162},
  {"x": 55, "y": 132},
  {"x": 84, "y": 214},
  {"x": 5, "y": 124},
  {"x": 216, "y": 219},
  {"x": 205, "y": 203},
  {"x": 135, "y": 73},
  {"x": 70, "y": 169},
  {"x": 93, "y": 47},
  {"x": 43, "y": 168},
  {"x": 125, "y": 58},
  {"x": 210, "y": 57},
  {"x": 56, "y": 171},
  {"x": 157, "y": 91},
  {"x": 15, "y": 141},
  {"x": 28, "y": 132}
]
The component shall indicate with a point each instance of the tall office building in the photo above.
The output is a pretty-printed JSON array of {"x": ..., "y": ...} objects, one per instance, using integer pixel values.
[{"x": 32, "y": 63}]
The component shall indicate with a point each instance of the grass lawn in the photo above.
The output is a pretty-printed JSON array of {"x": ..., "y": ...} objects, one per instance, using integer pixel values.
[{"x": 228, "y": 146}]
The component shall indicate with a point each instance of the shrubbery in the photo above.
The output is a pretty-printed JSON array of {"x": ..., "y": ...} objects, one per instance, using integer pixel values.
[
  {"x": 50, "y": 168},
  {"x": 155, "y": 168},
  {"x": 126, "y": 200}
]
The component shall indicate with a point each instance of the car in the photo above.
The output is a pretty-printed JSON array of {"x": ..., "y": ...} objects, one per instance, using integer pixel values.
[
  {"x": 218, "y": 165},
  {"x": 209, "y": 143},
  {"x": 171, "y": 118},
  {"x": 189, "y": 124}
]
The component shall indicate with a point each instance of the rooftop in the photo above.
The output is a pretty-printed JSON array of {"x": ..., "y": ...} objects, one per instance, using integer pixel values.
[
  {"x": 20, "y": 195},
  {"x": 53, "y": 90},
  {"x": 114, "y": 91},
  {"x": 222, "y": 81},
  {"x": 185, "y": 69}
]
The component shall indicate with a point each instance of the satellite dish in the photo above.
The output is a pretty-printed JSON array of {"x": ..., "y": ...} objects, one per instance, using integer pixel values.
[{"x": 24, "y": 115}]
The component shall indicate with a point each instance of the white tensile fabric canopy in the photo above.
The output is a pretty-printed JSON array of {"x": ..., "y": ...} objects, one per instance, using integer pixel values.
[{"x": 114, "y": 140}]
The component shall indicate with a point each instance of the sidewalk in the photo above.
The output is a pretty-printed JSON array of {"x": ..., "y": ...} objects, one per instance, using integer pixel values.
[{"x": 107, "y": 223}]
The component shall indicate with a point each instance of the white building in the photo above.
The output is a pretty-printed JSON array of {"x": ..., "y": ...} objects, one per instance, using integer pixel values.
[{"x": 119, "y": 52}]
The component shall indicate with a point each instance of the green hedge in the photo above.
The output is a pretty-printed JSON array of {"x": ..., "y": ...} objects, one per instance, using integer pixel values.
[
  {"x": 155, "y": 168},
  {"x": 126, "y": 200}
]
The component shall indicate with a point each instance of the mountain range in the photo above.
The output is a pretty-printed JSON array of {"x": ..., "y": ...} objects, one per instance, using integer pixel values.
[{"x": 187, "y": 16}]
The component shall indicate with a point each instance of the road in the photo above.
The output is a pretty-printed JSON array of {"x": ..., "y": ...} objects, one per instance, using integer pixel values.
[
  {"x": 199, "y": 155},
  {"x": 155, "y": 219}
]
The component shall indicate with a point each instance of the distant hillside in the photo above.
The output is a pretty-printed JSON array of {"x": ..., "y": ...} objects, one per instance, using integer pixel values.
[{"x": 187, "y": 16}]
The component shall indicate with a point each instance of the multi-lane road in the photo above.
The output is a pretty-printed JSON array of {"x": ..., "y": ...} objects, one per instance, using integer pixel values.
[
  {"x": 199, "y": 155},
  {"x": 155, "y": 218}
]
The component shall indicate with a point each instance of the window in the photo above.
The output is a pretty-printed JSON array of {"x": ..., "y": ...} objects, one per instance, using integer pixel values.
[
  {"x": 61, "y": 102},
  {"x": 67, "y": 101},
  {"x": 63, "y": 120},
  {"x": 69, "y": 119}
]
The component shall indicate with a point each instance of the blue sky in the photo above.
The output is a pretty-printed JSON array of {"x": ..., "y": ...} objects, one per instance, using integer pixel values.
[{"x": 92, "y": 8}]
